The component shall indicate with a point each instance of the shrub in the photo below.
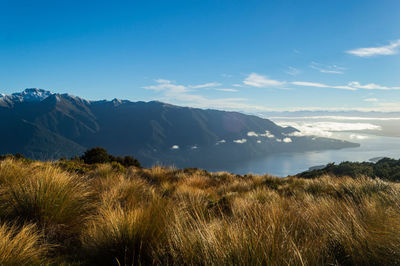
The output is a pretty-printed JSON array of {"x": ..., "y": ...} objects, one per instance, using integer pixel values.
[
  {"x": 130, "y": 161},
  {"x": 95, "y": 155},
  {"x": 388, "y": 169},
  {"x": 74, "y": 166},
  {"x": 100, "y": 155}
]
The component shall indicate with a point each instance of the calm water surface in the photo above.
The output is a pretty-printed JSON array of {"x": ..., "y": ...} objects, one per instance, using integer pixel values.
[{"x": 284, "y": 164}]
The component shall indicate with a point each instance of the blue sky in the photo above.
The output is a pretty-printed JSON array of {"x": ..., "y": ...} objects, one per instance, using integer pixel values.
[{"x": 248, "y": 55}]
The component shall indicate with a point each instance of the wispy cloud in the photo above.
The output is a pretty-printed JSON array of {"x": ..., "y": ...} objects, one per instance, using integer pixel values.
[
  {"x": 238, "y": 85},
  {"x": 169, "y": 91},
  {"x": 320, "y": 85},
  {"x": 292, "y": 71},
  {"x": 166, "y": 85},
  {"x": 333, "y": 69},
  {"x": 227, "y": 90},
  {"x": 260, "y": 81},
  {"x": 389, "y": 49},
  {"x": 371, "y": 86},
  {"x": 371, "y": 100},
  {"x": 206, "y": 85},
  {"x": 181, "y": 94},
  {"x": 354, "y": 85}
]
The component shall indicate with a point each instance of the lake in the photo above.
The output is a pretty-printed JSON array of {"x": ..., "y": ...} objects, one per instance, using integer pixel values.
[{"x": 284, "y": 164}]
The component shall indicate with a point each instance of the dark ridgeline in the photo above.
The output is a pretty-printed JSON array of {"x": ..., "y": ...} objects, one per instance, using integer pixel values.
[{"x": 45, "y": 125}]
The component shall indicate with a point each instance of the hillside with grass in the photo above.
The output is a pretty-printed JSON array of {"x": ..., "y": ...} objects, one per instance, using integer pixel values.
[
  {"x": 69, "y": 212},
  {"x": 384, "y": 168}
]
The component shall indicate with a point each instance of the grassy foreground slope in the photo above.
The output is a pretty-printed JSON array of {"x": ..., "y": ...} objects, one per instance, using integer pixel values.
[{"x": 75, "y": 214}]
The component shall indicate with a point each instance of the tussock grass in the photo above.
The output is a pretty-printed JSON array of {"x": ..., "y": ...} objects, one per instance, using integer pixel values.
[
  {"x": 126, "y": 237},
  {"x": 22, "y": 246},
  {"x": 58, "y": 202},
  {"x": 167, "y": 216}
]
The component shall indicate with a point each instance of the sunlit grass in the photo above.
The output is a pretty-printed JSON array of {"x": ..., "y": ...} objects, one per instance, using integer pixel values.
[
  {"x": 56, "y": 201},
  {"x": 116, "y": 216},
  {"x": 22, "y": 246}
]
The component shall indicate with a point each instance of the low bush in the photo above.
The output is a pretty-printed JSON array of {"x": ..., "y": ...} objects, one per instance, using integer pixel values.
[
  {"x": 388, "y": 169},
  {"x": 100, "y": 155}
]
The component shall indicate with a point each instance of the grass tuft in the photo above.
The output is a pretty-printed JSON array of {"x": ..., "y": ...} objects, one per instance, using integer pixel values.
[{"x": 22, "y": 246}]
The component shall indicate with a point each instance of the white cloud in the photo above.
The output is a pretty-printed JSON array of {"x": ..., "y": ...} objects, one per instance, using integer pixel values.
[
  {"x": 309, "y": 84},
  {"x": 388, "y": 107},
  {"x": 320, "y": 85},
  {"x": 252, "y": 134},
  {"x": 325, "y": 129},
  {"x": 171, "y": 92},
  {"x": 371, "y": 86},
  {"x": 206, "y": 85},
  {"x": 267, "y": 134},
  {"x": 287, "y": 140},
  {"x": 237, "y": 85},
  {"x": 175, "y": 147},
  {"x": 260, "y": 81},
  {"x": 370, "y": 100},
  {"x": 358, "y": 137},
  {"x": 180, "y": 94},
  {"x": 163, "y": 81},
  {"x": 194, "y": 147},
  {"x": 220, "y": 141},
  {"x": 333, "y": 69},
  {"x": 166, "y": 85},
  {"x": 333, "y": 117},
  {"x": 228, "y": 90},
  {"x": 258, "y": 141},
  {"x": 389, "y": 49},
  {"x": 278, "y": 140},
  {"x": 240, "y": 141},
  {"x": 354, "y": 85}
]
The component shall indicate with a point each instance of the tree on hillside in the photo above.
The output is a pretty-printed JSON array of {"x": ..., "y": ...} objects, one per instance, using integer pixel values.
[
  {"x": 100, "y": 155},
  {"x": 96, "y": 155}
]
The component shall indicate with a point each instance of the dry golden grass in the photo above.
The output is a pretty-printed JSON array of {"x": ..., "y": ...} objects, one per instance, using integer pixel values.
[
  {"x": 170, "y": 216},
  {"x": 22, "y": 246},
  {"x": 58, "y": 202}
]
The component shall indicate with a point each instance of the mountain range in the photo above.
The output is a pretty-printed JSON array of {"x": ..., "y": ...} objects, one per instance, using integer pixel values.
[{"x": 44, "y": 125}]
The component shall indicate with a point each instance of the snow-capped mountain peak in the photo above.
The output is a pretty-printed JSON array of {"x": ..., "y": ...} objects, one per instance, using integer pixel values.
[{"x": 31, "y": 95}]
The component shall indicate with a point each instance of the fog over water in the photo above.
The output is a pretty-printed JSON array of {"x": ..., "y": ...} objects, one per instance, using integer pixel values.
[{"x": 370, "y": 135}]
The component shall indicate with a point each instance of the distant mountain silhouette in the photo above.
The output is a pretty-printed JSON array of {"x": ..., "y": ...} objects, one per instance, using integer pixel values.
[{"x": 45, "y": 125}]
